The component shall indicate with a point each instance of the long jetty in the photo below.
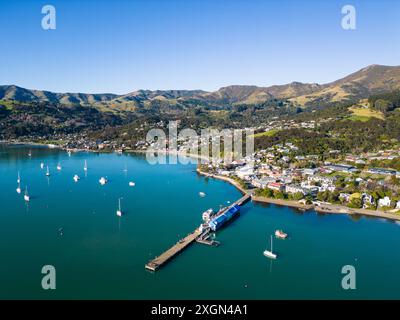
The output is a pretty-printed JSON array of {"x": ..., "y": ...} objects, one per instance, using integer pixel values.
[{"x": 196, "y": 235}]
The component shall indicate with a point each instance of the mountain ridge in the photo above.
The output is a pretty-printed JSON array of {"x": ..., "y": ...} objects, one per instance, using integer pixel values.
[{"x": 373, "y": 79}]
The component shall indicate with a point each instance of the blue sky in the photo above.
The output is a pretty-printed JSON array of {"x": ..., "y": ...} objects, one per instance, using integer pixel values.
[{"x": 120, "y": 46}]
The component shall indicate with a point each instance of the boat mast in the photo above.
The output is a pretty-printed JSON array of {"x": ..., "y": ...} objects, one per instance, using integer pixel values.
[{"x": 271, "y": 243}]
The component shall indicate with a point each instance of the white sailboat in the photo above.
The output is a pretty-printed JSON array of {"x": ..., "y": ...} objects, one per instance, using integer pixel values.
[
  {"x": 269, "y": 253},
  {"x": 41, "y": 165},
  {"x": 18, "y": 178},
  {"x": 19, "y": 188},
  {"x": 119, "y": 211},
  {"x": 26, "y": 196},
  {"x": 202, "y": 194},
  {"x": 103, "y": 181},
  {"x": 76, "y": 178},
  {"x": 48, "y": 172},
  {"x": 131, "y": 184},
  {"x": 85, "y": 166},
  {"x": 59, "y": 167}
]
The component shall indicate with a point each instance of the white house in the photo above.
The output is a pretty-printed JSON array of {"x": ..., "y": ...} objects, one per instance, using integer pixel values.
[
  {"x": 344, "y": 196},
  {"x": 367, "y": 200},
  {"x": 385, "y": 202},
  {"x": 245, "y": 172},
  {"x": 295, "y": 189},
  {"x": 263, "y": 182}
]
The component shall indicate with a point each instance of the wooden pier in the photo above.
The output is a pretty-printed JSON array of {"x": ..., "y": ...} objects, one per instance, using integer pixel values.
[
  {"x": 196, "y": 235},
  {"x": 182, "y": 244}
]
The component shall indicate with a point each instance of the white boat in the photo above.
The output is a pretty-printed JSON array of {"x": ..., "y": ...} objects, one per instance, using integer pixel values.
[
  {"x": 59, "y": 167},
  {"x": 30, "y": 153},
  {"x": 76, "y": 178},
  {"x": 69, "y": 153},
  {"x": 85, "y": 166},
  {"x": 202, "y": 194},
  {"x": 125, "y": 169},
  {"x": 207, "y": 215},
  {"x": 103, "y": 181},
  {"x": 48, "y": 172},
  {"x": 131, "y": 184},
  {"x": 119, "y": 211},
  {"x": 42, "y": 165},
  {"x": 26, "y": 196},
  {"x": 280, "y": 234},
  {"x": 19, "y": 188},
  {"x": 269, "y": 253},
  {"x": 18, "y": 178}
]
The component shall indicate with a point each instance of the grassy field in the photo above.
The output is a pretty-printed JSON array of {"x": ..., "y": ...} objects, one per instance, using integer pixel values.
[
  {"x": 364, "y": 114},
  {"x": 8, "y": 104},
  {"x": 266, "y": 134}
]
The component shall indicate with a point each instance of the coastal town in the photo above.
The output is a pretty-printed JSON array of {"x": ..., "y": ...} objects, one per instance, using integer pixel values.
[{"x": 350, "y": 181}]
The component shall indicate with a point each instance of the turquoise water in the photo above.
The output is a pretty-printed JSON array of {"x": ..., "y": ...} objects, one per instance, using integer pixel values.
[{"x": 102, "y": 256}]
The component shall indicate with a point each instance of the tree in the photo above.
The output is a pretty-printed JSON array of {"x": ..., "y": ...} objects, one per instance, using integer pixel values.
[
  {"x": 279, "y": 194},
  {"x": 297, "y": 196}
]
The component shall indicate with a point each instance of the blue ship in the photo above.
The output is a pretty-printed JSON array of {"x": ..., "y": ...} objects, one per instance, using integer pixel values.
[{"x": 222, "y": 219}]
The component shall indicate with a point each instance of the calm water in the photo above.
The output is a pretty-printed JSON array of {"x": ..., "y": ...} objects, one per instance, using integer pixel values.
[{"x": 102, "y": 256}]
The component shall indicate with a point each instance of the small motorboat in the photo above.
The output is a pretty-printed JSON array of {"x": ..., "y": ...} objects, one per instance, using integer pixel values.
[
  {"x": 76, "y": 178},
  {"x": 103, "y": 181},
  {"x": 18, "y": 178},
  {"x": 131, "y": 184},
  {"x": 48, "y": 172},
  {"x": 85, "y": 167},
  {"x": 280, "y": 234},
  {"x": 42, "y": 165},
  {"x": 59, "y": 167},
  {"x": 202, "y": 194}
]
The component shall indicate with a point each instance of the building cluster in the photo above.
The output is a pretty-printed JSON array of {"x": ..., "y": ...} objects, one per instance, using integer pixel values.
[{"x": 281, "y": 169}]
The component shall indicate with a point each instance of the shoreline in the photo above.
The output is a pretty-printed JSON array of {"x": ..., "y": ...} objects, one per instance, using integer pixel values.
[
  {"x": 226, "y": 179},
  {"x": 326, "y": 208}
]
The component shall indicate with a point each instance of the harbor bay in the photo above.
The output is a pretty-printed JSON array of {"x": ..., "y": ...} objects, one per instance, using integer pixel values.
[{"x": 73, "y": 226}]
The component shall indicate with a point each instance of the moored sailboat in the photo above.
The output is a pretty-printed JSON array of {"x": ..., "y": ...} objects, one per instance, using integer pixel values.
[
  {"x": 19, "y": 188},
  {"x": 119, "y": 211},
  {"x": 269, "y": 253},
  {"x": 26, "y": 196}
]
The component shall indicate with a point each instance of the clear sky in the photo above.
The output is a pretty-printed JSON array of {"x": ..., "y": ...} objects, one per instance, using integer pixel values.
[{"x": 120, "y": 46}]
